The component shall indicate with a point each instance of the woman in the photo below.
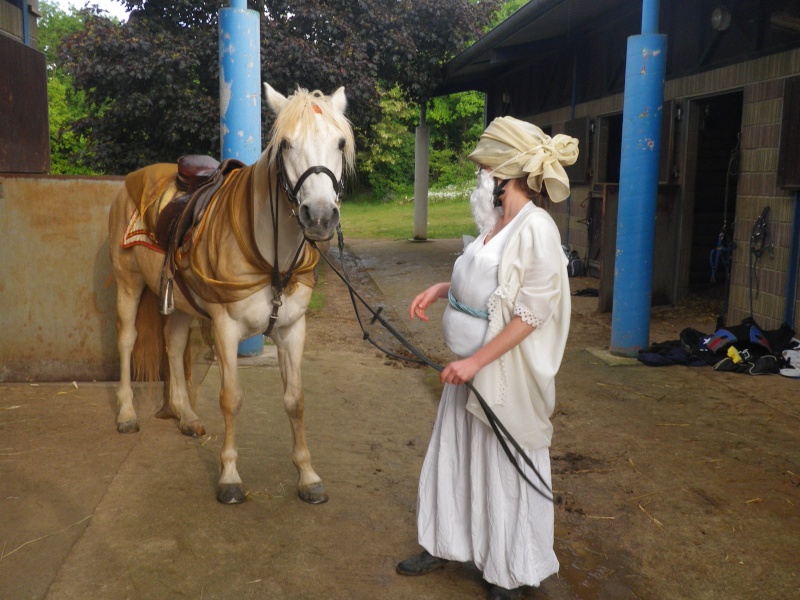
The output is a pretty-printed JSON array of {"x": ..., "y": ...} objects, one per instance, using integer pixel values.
[{"x": 507, "y": 321}]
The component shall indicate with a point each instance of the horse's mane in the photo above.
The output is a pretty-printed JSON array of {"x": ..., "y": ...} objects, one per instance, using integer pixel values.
[{"x": 300, "y": 112}]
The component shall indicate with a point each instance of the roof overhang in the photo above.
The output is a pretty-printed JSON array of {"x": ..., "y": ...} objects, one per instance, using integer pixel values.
[{"x": 539, "y": 26}]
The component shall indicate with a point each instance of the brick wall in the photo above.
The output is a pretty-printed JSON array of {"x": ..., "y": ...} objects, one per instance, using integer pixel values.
[{"x": 761, "y": 281}]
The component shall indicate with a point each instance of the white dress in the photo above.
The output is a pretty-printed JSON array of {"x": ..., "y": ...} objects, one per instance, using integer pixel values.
[{"x": 472, "y": 505}]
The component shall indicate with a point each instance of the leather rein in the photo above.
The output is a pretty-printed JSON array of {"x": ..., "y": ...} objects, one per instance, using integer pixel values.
[{"x": 500, "y": 431}]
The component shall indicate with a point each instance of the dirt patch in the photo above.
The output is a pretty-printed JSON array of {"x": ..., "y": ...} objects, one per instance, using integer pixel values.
[{"x": 675, "y": 482}]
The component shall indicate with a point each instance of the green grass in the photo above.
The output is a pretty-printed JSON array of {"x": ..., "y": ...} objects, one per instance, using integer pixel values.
[
  {"x": 449, "y": 216},
  {"x": 317, "y": 301}
]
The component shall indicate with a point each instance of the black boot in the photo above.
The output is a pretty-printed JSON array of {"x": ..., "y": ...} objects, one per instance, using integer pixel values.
[
  {"x": 499, "y": 593},
  {"x": 422, "y": 563}
]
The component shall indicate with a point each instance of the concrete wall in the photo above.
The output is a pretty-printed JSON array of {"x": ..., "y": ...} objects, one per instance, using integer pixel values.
[{"x": 57, "y": 295}]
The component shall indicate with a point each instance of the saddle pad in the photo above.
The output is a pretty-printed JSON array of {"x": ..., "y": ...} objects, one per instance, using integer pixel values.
[
  {"x": 150, "y": 188},
  {"x": 146, "y": 185},
  {"x": 136, "y": 234}
]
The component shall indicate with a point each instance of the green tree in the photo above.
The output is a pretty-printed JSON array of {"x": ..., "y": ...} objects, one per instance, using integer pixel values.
[
  {"x": 507, "y": 9},
  {"x": 66, "y": 105},
  {"x": 388, "y": 162},
  {"x": 456, "y": 123}
]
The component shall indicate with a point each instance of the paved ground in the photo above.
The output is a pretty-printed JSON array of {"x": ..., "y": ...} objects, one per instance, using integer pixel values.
[{"x": 678, "y": 482}]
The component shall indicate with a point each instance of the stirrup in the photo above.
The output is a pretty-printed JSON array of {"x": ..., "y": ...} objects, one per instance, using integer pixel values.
[{"x": 167, "y": 305}]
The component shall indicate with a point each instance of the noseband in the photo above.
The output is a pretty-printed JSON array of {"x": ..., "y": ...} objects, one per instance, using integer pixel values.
[{"x": 291, "y": 192}]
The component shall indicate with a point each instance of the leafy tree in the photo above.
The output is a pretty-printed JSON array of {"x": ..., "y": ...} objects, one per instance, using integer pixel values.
[
  {"x": 152, "y": 82},
  {"x": 507, "y": 9},
  {"x": 65, "y": 104},
  {"x": 388, "y": 162},
  {"x": 456, "y": 123}
]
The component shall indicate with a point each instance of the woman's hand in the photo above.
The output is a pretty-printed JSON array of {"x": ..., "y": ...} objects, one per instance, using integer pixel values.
[
  {"x": 464, "y": 370},
  {"x": 421, "y": 303},
  {"x": 460, "y": 371}
]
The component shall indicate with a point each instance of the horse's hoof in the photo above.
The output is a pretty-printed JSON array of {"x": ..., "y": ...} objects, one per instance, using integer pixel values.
[
  {"x": 131, "y": 426},
  {"x": 193, "y": 429},
  {"x": 314, "y": 493},
  {"x": 230, "y": 493}
]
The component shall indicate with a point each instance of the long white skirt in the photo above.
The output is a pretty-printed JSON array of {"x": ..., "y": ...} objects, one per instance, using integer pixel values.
[{"x": 472, "y": 504}]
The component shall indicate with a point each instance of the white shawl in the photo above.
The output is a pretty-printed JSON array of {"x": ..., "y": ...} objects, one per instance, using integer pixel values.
[{"x": 533, "y": 284}]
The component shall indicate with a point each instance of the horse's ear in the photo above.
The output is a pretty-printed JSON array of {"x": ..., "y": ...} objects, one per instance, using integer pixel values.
[
  {"x": 339, "y": 100},
  {"x": 275, "y": 100}
]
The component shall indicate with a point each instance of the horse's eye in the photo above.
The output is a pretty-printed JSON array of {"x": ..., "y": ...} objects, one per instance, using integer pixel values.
[
  {"x": 341, "y": 144},
  {"x": 286, "y": 145}
]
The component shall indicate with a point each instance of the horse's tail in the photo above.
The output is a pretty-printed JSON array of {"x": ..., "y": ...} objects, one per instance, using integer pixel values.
[{"x": 149, "y": 351}]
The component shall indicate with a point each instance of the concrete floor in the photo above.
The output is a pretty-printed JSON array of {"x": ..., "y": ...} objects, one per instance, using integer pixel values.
[{"x": 654, "y": 464}]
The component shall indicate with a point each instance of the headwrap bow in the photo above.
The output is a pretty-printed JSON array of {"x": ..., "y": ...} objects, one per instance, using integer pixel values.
[{"x": 514, "y": 148}]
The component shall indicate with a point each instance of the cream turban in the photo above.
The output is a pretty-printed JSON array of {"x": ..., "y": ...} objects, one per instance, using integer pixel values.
[{"x": 514, "y": 148}]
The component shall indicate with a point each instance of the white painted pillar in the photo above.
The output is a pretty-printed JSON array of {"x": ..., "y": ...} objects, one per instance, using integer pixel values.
[{"x": 421, "y": 151}]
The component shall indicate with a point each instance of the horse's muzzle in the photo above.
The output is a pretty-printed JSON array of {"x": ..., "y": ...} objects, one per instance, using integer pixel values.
[{"x": 318, "y": 225}]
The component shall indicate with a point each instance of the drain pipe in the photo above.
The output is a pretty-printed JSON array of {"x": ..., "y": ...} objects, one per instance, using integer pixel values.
[
  {"x": 645, "y": 69},
  {"x": 26, "y": 28},
  {"x": 240, "y": 100},
  {"x": 791, "y": 273}
]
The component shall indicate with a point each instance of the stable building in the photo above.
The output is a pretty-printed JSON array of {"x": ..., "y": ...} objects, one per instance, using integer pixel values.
[{"x": 728, "y": 213}]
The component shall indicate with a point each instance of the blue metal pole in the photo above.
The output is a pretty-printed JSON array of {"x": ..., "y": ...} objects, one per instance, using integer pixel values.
[
  {"x": 240, "y": 99},
  {"x": 638, "y": 185}
]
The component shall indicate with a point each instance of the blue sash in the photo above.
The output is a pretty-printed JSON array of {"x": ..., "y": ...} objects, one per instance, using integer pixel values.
[{"x": 481, "y": 314}]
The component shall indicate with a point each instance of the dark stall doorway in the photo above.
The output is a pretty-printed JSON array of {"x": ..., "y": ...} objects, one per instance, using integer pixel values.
[{"x": 717, "y": 126}]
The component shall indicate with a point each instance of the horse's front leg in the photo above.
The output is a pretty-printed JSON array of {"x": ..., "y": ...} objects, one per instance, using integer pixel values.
[
  {"x": 290, "y": 342},
  {"x": 226, "y": 339},
  {"x": 176, "y": 334}
]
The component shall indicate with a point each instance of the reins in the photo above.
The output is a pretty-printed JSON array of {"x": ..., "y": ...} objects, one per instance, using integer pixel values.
[{"x": 500, "y": 431}]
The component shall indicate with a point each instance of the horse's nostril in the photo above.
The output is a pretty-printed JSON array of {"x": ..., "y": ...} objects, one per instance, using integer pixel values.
[{"x": 305, "y": 214}]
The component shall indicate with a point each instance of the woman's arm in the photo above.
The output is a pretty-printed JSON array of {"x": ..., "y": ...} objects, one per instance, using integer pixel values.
[
  {"x": 461, "y": 371},
  {"x": 420, "y": 304}
]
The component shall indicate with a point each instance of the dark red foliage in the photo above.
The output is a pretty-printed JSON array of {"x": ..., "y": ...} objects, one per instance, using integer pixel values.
[{"x": 154, "y": 80}]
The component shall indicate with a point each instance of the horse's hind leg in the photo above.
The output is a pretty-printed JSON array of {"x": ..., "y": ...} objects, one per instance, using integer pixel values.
[
  {"x": 176, "y": 334},
  {"x": 290, "y": 344},
  {"x": 129, "y": 292}
]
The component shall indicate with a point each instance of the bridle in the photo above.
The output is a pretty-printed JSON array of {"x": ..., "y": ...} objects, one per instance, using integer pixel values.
[
  {"x": 500, "y": 431},
  {"x": 282, "y": 181},
  {"x": 292, "y": 191}
]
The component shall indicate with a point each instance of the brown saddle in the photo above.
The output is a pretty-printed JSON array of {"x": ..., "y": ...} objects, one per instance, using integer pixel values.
[{"x": 199, "y": 177}]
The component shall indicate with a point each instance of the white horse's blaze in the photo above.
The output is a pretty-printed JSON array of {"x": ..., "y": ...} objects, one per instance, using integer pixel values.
[{"x": 310, "y": 130}]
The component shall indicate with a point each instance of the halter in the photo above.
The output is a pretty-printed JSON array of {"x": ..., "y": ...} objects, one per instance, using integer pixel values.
[
  {"x": 291, "y": 192},
  {"x": 278, "y": 283}
]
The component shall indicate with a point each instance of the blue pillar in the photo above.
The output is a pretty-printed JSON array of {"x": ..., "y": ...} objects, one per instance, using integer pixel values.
[
  {"x": 240, "y": 99},
  {"x": 638, "y": 185}
]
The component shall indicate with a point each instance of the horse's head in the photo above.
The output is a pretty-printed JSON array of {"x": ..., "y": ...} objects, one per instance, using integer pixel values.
[{"x": 312, "y": 145}]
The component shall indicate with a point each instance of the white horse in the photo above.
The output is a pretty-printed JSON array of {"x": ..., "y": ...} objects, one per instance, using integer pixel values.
[{"x": 290, "y": 195}]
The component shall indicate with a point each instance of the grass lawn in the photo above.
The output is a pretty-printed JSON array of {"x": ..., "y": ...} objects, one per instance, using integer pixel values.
[{"x": 449, "y": 216}]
